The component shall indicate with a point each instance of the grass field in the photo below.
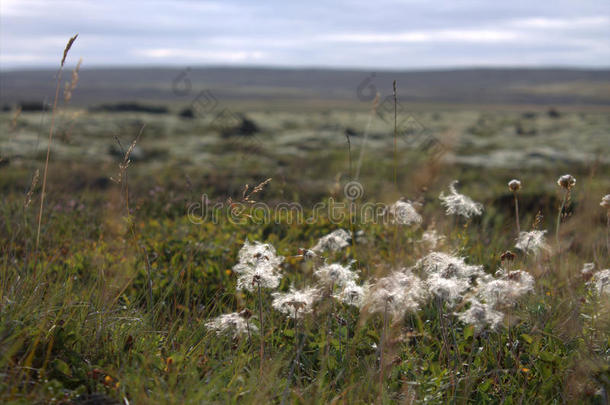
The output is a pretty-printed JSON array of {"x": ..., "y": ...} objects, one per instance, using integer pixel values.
[{"x": 114, "y": 303}]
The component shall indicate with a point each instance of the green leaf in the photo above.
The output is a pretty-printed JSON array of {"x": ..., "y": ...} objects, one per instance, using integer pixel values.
[
  {"x": 62, "y": 367},
  {"x": 527, "y": 338}
]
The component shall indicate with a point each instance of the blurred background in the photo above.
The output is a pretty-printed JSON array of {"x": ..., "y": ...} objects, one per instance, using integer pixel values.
[{"x": 233, "y": 92}]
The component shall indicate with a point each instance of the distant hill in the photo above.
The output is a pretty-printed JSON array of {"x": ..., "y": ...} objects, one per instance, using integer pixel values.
[{"x": 165, "y": 85}]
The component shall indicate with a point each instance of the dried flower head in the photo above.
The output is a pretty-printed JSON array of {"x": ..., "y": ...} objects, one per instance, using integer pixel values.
[
  {"x": 587, "y": 270},
  {"x": 605, "y": 202},
  {"x": 508, "y": 256},
  {"x": 448, "y": 266},
  {"x": 234, "y": 323},
  {"x": 514, "y": 185},
  {"x": 399, "y": 293},
  {"x": 532, "y": 242},
  {"x": 506, "y": 290},
  {"x": 481, "y": 315},
  {"x": 334, "y": 241},
  {"x": 403, "y": 213},
  {"x": 258, "y": 266},
  {"x": 448, "y": 277},
  {"x": 431, "y": 238},
  {"x": 566, "y": 181},
  {"x": 335, "y": 275},
  {"x": 601, "y": 282},
  {"x": 459, "y": 204},
  {"x": 296, "y": 302},
  {"x": 353, "y": 294}
]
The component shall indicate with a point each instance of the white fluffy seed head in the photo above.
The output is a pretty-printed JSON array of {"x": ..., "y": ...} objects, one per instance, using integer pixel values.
[
  {"x": 431, "y": 238},
  {"x": 335, "y": 275},
  {"x": 399, "y": 293},
  {"x": 258, "y": 266},
  {"x": 403, "y": 213},
  {"x": 295, "y": 303},
  {"x": 481, "y": 315},
  {"x": 601, "y": 282},
  {"x": 532, "y": 242},
  {"x": 506, "y": 290},
  {"x": 233, "y": 323},
  {"x": 459, "y": 204},
  {"x": 353, "y": 294},
  {"x": 334, "y": 241},
  {"x": 448, "y": 277}
]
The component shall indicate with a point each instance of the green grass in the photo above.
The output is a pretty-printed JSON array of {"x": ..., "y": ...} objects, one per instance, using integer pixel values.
[
  {"x": 112, "y": 306},
  {"x": 77, "y": 320}
]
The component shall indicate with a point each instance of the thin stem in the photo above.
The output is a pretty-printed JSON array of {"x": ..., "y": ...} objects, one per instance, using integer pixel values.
[
  {"x": 517, "y": 214},
  {"x": 46, "y": 164},
  {"x": 262, "y": 337},
  {"x": 608, "y": 232},
  {"x": 563, "y": 203},
  {"x": 381, "y": 344},
  {"x": 395, "y": 133}
]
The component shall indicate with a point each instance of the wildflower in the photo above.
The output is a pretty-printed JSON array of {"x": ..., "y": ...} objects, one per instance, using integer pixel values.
[
  {"x": 587, "y": 270},
  {"x": 448, "y": 277},
  {"x": 459, "y": 204},
  {"x": 353, "y": 294},
  {"x": 307, "y": 254},
  {"x": 508, "y": 256},
  {"x": 431, "y": 238},
  {"x": 258, "y": 267},
  {"x": 448, "y": 266},
  {"x": 335, "y": 274},
  {"x": 506, "y": 290},
  {"x": 514, "y": 185},
  {"x": 566, "y": 181},
  {"x": 605, "y": 202},
  {"x": 481, "y": 315},
  {"x": 398, "y": 293},
  {"x": 235, "y": 323},
  {"x": 403, "y": 213},
  {"x": 531, "y": 242},
  {"x": 601, "y": 282},
  {"x": 295, "y": 301},
  {"x": 334, "y": 241}
]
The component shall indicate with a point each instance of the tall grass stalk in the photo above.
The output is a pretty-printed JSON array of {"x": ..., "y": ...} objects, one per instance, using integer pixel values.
[
  {"x": 395, "y": 133},
  {"x": 53, "y": 114}
]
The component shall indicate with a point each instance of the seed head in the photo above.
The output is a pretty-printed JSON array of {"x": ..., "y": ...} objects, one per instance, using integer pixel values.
[
  {"x": 605, "y": 202},
  {"x": 353, "y": 294},
  {"x": 514, "y": 185},
  {"x": 507, "y": 256},
  {"x": 258, "y": 266},
  {"x": 233, "y": 323},
  {"x": 403, "y": 213},
  {"x": 566, "y": 181},
  {"x": 459, "y": 204},
  {"x": 335, "y": 275},
  {"x": 532, "y": 242},
  {"x": 296, "y": 302},
  {"x": 334, "y": 241}
]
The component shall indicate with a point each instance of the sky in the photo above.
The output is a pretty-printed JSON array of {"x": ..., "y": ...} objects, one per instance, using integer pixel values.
[{"x": 381, "y": 34}]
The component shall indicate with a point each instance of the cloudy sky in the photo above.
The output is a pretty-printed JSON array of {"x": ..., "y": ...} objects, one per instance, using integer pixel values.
[{"x": 367, "y": 34}]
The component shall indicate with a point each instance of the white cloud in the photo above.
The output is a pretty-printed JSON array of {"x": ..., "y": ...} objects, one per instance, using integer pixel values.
[
  {"x": 474, "y": 35},
  {"x": 203, "y": 56}
]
